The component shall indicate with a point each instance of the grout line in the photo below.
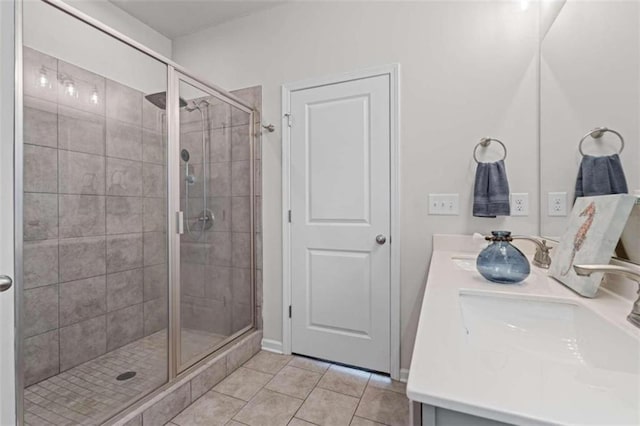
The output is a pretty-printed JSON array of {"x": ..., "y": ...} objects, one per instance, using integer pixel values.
[
  {"x": 223, "y": 394},
  {"x": 59, "y": 366},
  {"x": 283, "y": 394},
  {"x": 360, "y": 399},
  {"x": 57, "y": 403},
  {"x": 35, "y": 415},
  {"x": 51, "y": 418},
  {"x": 111, "y": 196}
]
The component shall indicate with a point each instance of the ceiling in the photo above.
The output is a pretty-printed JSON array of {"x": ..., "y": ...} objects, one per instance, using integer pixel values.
[{"x": 175, "y": 18}]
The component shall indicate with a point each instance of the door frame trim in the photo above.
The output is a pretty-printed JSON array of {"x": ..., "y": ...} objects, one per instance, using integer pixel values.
[{"x": 393, "y": 71}]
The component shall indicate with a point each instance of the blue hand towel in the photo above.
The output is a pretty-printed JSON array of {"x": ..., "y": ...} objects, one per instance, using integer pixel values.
[
  {"x": 491, "y": 190},
  {"x": 600, "y": 176}
]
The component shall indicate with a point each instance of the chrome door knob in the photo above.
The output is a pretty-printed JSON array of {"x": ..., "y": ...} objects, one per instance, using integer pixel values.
[
  {"x": 5, "y": 283},
  {"x": 381, "y": 239}
]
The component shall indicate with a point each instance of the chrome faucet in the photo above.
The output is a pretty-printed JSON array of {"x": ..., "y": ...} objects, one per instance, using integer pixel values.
[
  {"x": 586, "y": 270},
  {"x": 541, "y": 259}
]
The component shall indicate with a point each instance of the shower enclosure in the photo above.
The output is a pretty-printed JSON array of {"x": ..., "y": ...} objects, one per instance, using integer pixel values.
[
  {"x": 215, "y": 187},
  {"x": 138, "y": 239}
]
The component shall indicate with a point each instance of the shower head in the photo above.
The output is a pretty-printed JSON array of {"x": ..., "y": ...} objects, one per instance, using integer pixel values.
[
  {"x": 197, "y": 106},
  {"x": 160, "y": 100},
  {"x": 184, "y": 154}
]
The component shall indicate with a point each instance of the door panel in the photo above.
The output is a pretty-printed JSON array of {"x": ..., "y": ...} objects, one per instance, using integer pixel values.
[
  {"x": 216, "y": 249},
  {"x": 94, "y": 288},
  {"x": 340, "y": 201},
  {"x": 335, "y": 155},
  {"x": 336, "y": 279}
]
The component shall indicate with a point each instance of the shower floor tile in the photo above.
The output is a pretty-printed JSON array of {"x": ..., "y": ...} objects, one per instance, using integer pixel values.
[{"x": 90, "y": 393}]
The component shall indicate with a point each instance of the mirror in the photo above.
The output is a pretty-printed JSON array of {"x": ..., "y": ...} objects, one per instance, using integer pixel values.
[{"x": 589, "y": 78}]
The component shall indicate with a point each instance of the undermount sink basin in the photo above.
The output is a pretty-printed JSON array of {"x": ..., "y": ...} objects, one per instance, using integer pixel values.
[
  {"x": 552, "y": 331},
  {"x": 557, "y": 350}
]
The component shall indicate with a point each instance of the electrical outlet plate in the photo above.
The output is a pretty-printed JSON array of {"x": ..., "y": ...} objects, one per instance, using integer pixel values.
[
  {"x": 557, "y": 204},
  {"x": 519, "y": 204},
  {"x": 444, "y": 204}
]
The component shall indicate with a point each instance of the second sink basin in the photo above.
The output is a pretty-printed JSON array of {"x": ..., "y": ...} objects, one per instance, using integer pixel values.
[
  {"x": 552, "y": 330},
  {"x": 555, "y": 349}
]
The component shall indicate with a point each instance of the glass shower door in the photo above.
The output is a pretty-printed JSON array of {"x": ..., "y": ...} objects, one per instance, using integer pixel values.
[
  {"x": 112, "y": 302},
  {"x": 93, "y": 293},
  {"x": 216, "y": 249}
]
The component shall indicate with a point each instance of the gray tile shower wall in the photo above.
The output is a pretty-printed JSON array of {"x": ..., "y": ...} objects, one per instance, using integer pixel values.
[
  {"x": 253, "y": 95},
  {"x": 215, "y": 268},
  {"x": 95, "y": 273}
]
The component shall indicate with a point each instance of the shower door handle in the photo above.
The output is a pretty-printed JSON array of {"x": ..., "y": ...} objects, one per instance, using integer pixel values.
[
  {"x": 179, "y": 223},
  {"x": 5, "y": 283}
]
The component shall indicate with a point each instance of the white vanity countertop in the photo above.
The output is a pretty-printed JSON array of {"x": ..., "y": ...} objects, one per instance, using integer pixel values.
[{"x": 463, "y": 370}]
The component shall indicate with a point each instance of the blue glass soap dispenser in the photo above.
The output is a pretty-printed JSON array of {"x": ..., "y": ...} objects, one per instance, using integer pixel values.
[{"x": 502, "y": 262}]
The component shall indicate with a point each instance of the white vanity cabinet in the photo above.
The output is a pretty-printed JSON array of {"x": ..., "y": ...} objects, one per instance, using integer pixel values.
[
  {"x": 428, "y": 415},
  {"x": 527, "y": 354}
]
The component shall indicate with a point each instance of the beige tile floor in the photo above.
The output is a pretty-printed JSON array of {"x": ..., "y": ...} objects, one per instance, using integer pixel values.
[{"x": 272, "y": 389}]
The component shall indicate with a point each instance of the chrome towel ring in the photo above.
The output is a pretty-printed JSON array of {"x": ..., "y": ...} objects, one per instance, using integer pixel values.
[
  {"x": 597, "y": 134},
  {"x": 485, "y": 142}
]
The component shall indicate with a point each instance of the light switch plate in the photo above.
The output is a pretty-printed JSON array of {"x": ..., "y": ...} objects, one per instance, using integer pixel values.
[
  {"x": 444, "y": 204},
  {"x": 557, "y": 204},
  {"x": 519, "y": 204}
]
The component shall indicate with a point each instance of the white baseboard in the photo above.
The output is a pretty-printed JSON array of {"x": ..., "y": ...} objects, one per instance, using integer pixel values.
[
  {"x": 272, "y": 346},
  {"x": 404, "y": 375}
]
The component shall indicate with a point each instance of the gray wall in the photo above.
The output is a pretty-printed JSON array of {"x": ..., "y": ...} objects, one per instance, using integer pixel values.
[{"x": 94, "y": 221}]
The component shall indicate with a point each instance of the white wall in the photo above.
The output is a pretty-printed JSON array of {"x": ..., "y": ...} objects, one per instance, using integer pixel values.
[
  {"x": 55, "y": 33},
  {"x": 590, "y": 77},
  {"x": 111, "y": 15},
  {"x": 469, "y": 69},
  {"x": 549, "y": 11}
]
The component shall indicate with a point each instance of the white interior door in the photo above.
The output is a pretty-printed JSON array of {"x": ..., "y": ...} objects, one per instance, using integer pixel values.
[
  {"x": 340, "y": 222},
  {"x": 7, "y": 364}
]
